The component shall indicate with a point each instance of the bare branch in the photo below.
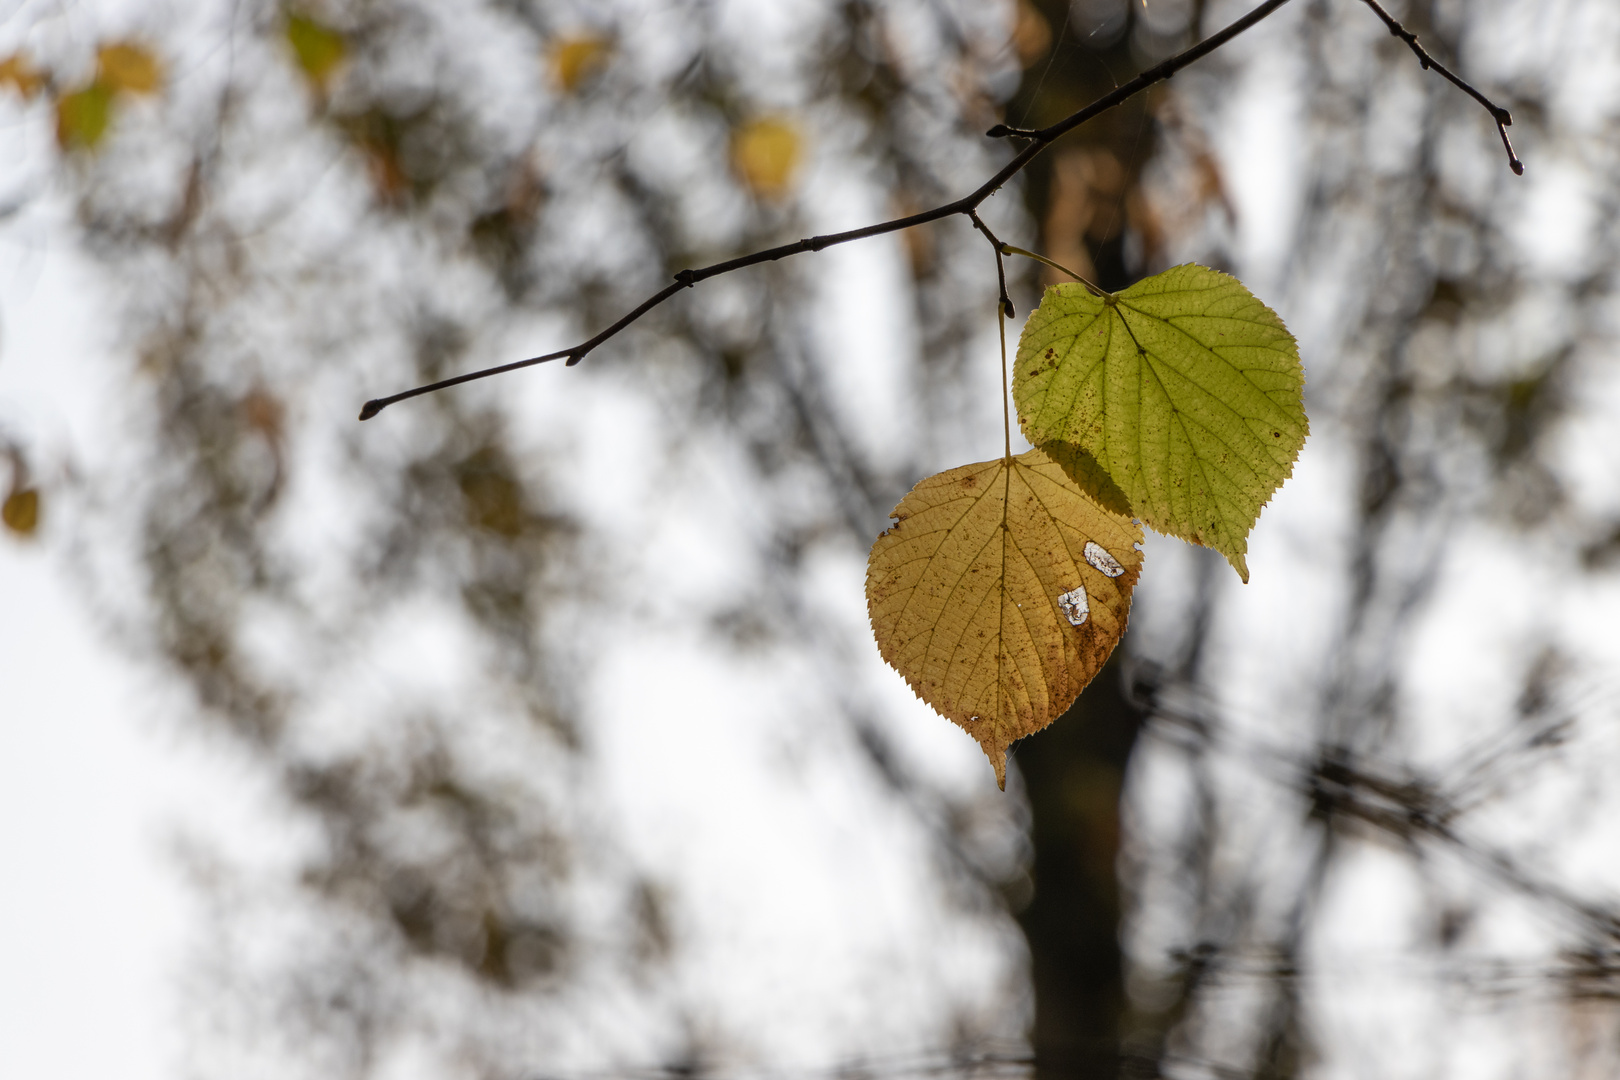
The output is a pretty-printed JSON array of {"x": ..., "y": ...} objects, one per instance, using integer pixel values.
[
  {"x": 1502, "y": 117},
  {"x": 968, "y": 204}
]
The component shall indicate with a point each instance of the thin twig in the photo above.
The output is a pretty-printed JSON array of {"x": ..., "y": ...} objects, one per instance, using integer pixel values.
[
  {"x": 1502, "y": 117},
  {"x": 969, "y": 203}
]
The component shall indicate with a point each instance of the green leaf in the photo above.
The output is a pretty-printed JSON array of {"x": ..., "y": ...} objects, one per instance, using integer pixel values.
[
  {"x": 1184, "y": 389},
  {"x": 83, "y": 116}
]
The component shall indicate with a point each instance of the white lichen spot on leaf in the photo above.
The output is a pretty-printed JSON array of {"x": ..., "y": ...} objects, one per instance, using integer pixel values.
[
  {"x": 1098, "y": 557},
  {"x": 1074, "y": 607}
]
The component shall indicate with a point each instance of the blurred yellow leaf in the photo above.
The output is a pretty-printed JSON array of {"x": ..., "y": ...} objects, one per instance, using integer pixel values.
[
  {"x": 999, "y": 593},
  {"x": 318, "y": 49},
  {"x": 126, "y": 66},
  {"x": 21, "y": 511},
  {"x": 766, "y": 153},
  {"x": 19, "y": 73},
  {"x": 83, "y": 116},
  {"x": 575, "y": 59}
]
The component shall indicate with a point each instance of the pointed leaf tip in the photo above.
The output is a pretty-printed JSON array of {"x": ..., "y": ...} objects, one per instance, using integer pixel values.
[
  {"x": 999, "y": 593},
  {"x": 1184, "y": 389}
]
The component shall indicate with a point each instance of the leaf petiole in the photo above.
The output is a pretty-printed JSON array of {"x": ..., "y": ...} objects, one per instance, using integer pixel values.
[
  {"x": 1008, "y": 249},
  {"x": 1006, "y": 390}
]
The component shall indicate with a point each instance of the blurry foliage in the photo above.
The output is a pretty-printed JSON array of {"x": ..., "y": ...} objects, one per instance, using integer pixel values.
[
  {"x": 18, "y": 72},
  {"x": 576, "y": 58},
  {"x": 458, "y": 174},
  {"x": 83, "y": 116},
  {"x": 21, "y": 511},
  {"x": 319, "y": 49},
  {"x": 766, "y": 154},
  {"x": 128, "y": 67}
]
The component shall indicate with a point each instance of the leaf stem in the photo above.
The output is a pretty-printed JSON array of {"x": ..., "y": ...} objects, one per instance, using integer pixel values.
[
  {"x": 1096, "y": 290},
  {"x": 1006, "y": 391},
  {"x": 1004, "y": 311}
]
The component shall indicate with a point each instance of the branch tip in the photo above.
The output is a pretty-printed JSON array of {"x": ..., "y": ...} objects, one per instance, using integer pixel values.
[
  {"x": 1502, "y": 117},
  {"x": 372, "y": 408}
]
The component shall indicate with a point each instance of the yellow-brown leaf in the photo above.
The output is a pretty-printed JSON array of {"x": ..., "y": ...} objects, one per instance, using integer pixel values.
[
  {"x": 129, "y": 67},
  {"x": 575, "y": 59},
  {"x": 20, "y": 512},
  {"x": 999, "y": 592},
  {"x": 19, "y": 73}
]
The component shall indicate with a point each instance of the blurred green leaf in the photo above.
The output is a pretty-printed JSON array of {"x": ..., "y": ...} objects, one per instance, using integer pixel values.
[
  {"x": 319, "y": 49},
  {"x": 83, "y": 117}
]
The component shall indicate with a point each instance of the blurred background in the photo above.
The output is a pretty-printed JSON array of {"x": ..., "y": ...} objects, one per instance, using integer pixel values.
[{"x": 534, "y": 728}]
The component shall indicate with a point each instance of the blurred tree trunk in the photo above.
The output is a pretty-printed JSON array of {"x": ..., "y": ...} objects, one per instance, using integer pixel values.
[
  {"x": 1086, "y": 200},
  {"x": 1073, "y": 775}
]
